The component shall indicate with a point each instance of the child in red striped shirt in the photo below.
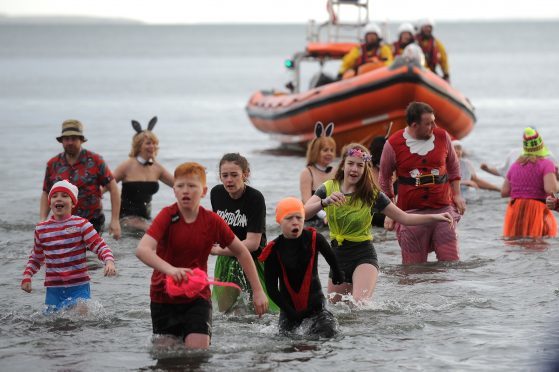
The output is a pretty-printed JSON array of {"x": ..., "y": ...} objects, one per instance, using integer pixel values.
[{"x": 61, "y": 243}]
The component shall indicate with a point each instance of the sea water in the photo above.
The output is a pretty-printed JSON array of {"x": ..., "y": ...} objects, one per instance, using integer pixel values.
[{"x": 496, "y": 309}]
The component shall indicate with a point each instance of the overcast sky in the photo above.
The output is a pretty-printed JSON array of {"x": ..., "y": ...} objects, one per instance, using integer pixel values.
[{"x": 279, "y": 11}]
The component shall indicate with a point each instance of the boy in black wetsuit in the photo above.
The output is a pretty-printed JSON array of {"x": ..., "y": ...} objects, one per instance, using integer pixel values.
[{"x": 292, "y": 259}]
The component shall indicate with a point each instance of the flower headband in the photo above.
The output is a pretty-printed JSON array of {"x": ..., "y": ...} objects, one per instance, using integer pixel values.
[{"x": 358, "y": 153}]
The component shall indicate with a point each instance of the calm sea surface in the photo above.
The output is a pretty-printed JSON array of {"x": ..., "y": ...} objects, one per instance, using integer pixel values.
[{"x": 494, "y": 310}]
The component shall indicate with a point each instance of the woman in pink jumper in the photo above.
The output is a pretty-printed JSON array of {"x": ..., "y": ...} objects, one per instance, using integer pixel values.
[{"x": 528, "y": 183}]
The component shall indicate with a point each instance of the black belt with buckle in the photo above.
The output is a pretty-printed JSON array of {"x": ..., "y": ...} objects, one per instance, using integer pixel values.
[{"x": 425, "y": 179}]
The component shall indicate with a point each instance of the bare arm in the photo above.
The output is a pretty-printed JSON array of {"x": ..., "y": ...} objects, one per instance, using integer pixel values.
[
  {"x": 312, "y": 206},
  {"x": 409, "y": 219},
  {"x": 550, "y": 183},
  {"x": 146, "y": 252},
  {"x": 120, "y": 172},
  {"x": 305, "y": 185},
  {"x": 505, "y": 190},
  {"x": 483, "y": 184},
  {"x": 489, "y": 169},
  {"x": 252, "y": 242},
  {"x": 44, "y": 207},
  {"x": 245, "y": 259},
  {"x": 114, "y": 226},
  {"x": 166, "y": 177},
  {"x": 457, "y": 196}
]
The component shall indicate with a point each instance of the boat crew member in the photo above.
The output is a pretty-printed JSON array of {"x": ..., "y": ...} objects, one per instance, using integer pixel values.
[
  {"x": 428, "y": 182},
  {"x": 405, "y": 38},
  {"x": 434, "y": 50},
  {"x": 373, "y": 51}
]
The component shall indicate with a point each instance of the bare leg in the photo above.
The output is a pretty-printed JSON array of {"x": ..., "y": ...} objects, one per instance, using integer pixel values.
[
  {"x": 227, "y": 298},
  {"x": 135, "y": 223},
  {"x": 364, "y": 282},
  {"x": 81, "y": 308},
  {"x": 197, "y": 341}
]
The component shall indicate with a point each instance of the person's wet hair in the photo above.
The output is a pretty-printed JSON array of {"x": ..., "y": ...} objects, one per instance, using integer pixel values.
[
  {"x": 235, "y": 157},
  {"x": 376, "y": 147},
  {"x": 415, "y": 110},
  {"x": 138, "y": 141}
]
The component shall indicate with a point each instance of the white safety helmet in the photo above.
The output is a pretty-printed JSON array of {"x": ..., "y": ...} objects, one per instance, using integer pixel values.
[
  {"x": 426, "y": 22},
  {"x": 372, "y": 28},
  {"x": 406, "y": 27}
]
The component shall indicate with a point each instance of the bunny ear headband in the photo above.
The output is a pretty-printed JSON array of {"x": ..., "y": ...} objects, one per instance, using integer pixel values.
[
  {"x": 320, "y": 131},
  {"x": 138, "y": 128}
]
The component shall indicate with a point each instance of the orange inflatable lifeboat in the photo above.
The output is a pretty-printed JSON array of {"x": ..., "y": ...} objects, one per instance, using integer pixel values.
[{"x": 363, "y": 106}]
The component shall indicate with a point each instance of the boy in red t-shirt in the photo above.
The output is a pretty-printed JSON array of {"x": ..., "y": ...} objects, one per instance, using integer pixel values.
[{"x": 179, "y": 239}]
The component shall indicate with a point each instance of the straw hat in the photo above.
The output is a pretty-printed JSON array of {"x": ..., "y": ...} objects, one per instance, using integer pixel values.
[{"x": 72, "y": 127}]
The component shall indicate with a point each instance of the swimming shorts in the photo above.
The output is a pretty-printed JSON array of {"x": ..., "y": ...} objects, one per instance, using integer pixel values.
[
  {"x": 352, "y": 254},
  {"x": 98, "y": 223},
  {"x": 58, "y": 298},
  {"x": 182, "y": 319}
]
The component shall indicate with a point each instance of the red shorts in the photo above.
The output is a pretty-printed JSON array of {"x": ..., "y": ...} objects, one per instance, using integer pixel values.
[{"x": 417, "y": 241}]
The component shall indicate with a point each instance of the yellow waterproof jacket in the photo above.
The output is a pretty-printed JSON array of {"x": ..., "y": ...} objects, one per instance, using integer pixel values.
[
  {"x": 353, "y": 58},
  {"x": 435, "y": 54}
]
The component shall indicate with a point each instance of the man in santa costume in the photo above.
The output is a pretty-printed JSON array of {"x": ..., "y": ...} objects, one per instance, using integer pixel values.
[{"x": 428, "y": 173}]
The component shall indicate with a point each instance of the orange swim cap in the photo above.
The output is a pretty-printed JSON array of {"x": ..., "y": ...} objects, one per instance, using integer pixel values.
[{"x": 288, "y": 206}]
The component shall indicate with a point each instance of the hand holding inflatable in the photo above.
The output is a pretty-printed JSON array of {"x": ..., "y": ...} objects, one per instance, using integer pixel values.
[{"x": 194, "y": 282}]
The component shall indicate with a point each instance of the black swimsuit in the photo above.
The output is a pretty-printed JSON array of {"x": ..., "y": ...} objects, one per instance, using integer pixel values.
[
  {"x": 293, "y": 264},
  {"x": 135, "y": 198},
  {"x": 314, "y": 221}
]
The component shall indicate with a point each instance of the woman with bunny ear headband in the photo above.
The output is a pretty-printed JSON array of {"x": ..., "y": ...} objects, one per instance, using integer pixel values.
[
  {"x": 321, "y": 152},
  {"x": 140, "y": 174}
]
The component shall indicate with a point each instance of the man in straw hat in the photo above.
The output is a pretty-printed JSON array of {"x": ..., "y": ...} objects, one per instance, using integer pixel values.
[{"x": 89, "y": 172}]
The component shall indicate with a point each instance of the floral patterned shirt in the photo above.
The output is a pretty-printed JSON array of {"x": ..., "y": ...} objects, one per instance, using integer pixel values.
[{"x": 89, "y": 173}]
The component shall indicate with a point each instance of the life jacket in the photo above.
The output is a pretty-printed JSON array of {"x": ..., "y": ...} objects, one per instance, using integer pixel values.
[
  {"x": 430, "y": 49},
  {"x": 366, "y": 56},
  {"x": 300, "y": 299}
]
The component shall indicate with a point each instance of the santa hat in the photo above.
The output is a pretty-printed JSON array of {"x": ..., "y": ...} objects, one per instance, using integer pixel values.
[{"x": 67, "y": 187}]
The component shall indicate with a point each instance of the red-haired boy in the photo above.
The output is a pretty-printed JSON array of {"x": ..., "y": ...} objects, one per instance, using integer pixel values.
[{"x": 180, "y": 239}]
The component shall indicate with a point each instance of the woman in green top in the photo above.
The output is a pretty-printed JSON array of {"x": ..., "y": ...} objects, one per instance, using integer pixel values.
[{"x": 349, "y": 201}]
